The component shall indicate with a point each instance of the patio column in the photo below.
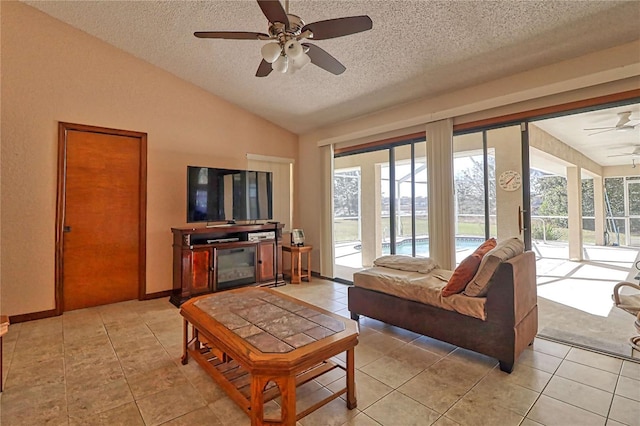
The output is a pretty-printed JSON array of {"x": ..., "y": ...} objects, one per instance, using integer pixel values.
[
  {"x": 574, "y": 199},
  {"x": 599, "y": 209}
]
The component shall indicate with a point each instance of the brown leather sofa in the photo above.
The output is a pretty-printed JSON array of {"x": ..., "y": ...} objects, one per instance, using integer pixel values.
[{"x": 511, "y": 313}]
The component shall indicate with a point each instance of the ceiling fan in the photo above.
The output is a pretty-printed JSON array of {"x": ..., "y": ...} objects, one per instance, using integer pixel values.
[
  {"x": 621, "y": 125},
  {"x": 286, "y": 53},
  {"x": 634, "y": 153}
]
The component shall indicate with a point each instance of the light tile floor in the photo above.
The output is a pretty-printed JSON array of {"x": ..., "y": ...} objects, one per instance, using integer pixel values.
[{"x": 119, "y": 365}]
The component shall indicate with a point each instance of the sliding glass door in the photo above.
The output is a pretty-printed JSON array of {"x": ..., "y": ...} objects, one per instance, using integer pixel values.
[
  {"x": 409, "y": 206},
  {"x": 490, "y": 182},
  {"x": 380, "y": 205},
  {"x": 475, "y": 200},
  {"x": 381, "y": 198},
  {"x": 361, "y": 221}
]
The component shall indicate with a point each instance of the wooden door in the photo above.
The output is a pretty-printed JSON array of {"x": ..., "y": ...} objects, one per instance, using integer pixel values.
[{"x": 101, "y": 216}]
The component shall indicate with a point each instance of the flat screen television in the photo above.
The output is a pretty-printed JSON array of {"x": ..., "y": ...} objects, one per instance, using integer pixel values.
[{"x": 216, "y": 195}]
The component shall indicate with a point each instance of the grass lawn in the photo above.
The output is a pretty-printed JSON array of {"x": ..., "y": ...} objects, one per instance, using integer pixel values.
[{"x": 346, "y": 230}]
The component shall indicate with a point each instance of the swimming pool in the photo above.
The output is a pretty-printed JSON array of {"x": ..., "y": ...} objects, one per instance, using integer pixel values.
[{"x": 422, "y": 245}]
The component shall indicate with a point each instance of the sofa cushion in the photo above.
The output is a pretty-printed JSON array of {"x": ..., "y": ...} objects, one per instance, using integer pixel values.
[
  {"x": 505, "y": 250},
  {"x": 422, "y": 288},
  {"x": 467, "y": 269},
  {"x": 424, "y": 265}
]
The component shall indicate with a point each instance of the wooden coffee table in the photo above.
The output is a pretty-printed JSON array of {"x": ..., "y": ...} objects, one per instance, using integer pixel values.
[{"x": 258, "y": 344}]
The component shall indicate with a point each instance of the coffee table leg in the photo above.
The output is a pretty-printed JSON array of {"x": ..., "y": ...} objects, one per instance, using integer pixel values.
[
  {"x": 287, "y": 387},
  {"x": 351, "y": 382},
  {"x": 257, "y": 399},
  {"x": 185, "y": 342}
]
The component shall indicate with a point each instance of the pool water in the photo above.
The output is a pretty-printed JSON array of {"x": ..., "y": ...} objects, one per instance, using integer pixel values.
[{"x": 422, "y": 245}]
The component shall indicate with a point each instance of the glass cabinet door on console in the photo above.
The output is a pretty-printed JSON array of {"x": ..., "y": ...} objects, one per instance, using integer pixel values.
[{"x": 197, "y": 267}]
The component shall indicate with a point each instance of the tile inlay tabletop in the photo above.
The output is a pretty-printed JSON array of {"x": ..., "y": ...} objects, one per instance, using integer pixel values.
[{"x": 268, "y": 321}]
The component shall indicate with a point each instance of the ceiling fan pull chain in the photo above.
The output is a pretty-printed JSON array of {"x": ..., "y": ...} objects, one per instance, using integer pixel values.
[{"x": 286, "y": 6}]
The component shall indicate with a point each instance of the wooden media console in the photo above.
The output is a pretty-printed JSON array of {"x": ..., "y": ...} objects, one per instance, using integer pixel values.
[{"x": 221, "y": 257}]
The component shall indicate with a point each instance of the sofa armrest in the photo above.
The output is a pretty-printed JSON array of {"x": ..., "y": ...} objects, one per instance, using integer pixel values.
[{"x": 513, "y": 291}]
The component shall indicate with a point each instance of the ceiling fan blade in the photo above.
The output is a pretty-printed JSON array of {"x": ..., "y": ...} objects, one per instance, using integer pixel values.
[
  {"x": 274, "y": 11},
  {"x": 264, "y": 69},
  {"x": 232, "y": 35},
  {"x": 332, "y": 28},
  {"x": 623, "y": 155},
  {"x": 323, "y": 60}
]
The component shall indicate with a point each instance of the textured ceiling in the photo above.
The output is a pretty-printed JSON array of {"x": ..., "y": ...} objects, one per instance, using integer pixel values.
[{"x": 415, "y": 49}]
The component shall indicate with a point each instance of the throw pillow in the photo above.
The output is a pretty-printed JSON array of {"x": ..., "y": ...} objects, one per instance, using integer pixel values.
[
  {"x": 467, "y": 269},
  {"x": 505, "y": 250},
  {"x": 485, "y": 247}
]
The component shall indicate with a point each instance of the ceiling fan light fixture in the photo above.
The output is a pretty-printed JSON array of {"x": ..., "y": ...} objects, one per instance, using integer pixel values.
[
  {"x": 301, "y": 61},
  {"x": 281, "y": 64},
  {"x": 293, "y": 49},
  {"x": 271, "y": 52}
]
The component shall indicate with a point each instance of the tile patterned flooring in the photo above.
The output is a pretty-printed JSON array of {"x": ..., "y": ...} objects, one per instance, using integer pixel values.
[{"x": 119, "y": 365}]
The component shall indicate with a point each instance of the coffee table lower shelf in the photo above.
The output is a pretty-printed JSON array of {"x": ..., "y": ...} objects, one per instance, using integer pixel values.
[{"x": 236, "y": 381}]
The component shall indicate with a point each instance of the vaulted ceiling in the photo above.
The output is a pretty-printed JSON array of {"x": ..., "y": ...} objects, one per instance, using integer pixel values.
[{"x": 416, "y": 49}]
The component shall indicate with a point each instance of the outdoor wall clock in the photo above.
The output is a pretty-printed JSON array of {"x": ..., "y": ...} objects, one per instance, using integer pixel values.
[{"x": 510, "y": 180}]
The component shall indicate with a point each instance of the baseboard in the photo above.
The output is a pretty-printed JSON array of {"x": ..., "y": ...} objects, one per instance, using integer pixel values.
[
  {"x": 342, "y": 281},
  {"x": 334, "y": 279},
  {"x": 14, "y": 319},
  {"x": 157, "y": 295}
]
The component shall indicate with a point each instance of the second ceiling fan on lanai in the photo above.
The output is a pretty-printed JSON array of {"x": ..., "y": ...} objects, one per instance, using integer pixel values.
[{"x": 285, "y": 52}]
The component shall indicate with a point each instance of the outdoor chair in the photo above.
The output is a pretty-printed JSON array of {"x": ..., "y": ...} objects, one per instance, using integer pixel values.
[{"x": 631, "y": 304}]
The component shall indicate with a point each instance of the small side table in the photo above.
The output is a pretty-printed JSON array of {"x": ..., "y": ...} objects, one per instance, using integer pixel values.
[{"x": 297, "y": 273}]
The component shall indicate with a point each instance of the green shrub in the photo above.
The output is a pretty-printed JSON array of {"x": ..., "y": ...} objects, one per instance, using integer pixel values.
[{"x": 550, "y": 232}]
